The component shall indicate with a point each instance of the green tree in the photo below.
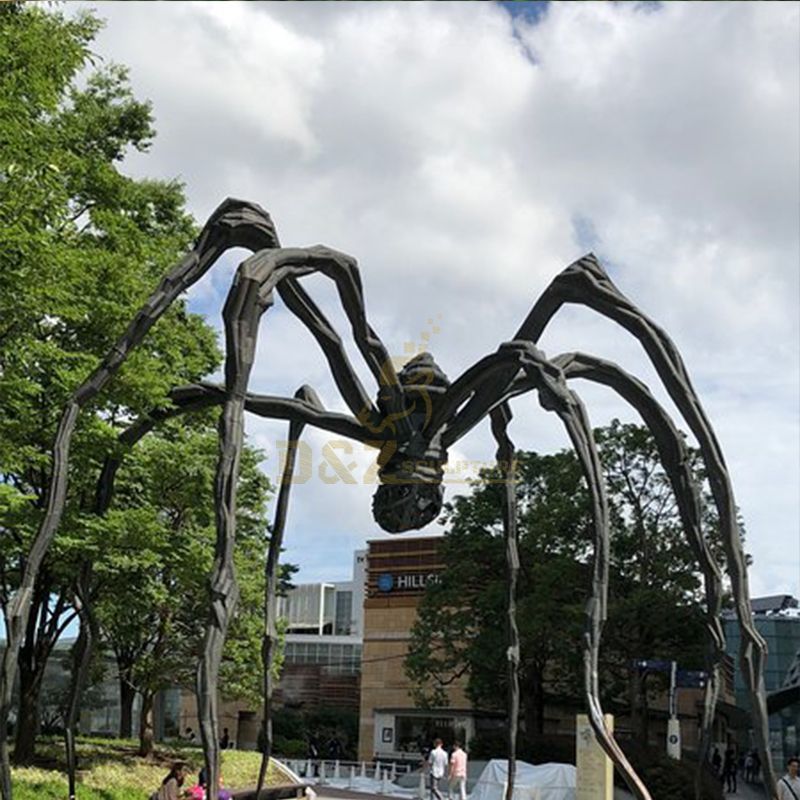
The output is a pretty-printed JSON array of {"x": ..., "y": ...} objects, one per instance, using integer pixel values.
[
  {"x": 81, "y": 246},
  {"x": 156, "y": 547},
  {"x": 461, "y": 624},
  {"x": 654, "y": 599}
]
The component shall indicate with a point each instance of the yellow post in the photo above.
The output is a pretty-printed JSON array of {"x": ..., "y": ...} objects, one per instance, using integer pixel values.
[{"x": 595, "y": 772}]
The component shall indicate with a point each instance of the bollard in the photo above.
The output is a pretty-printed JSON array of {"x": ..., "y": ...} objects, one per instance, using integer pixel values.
[
  {"x": 309, "y": 769},
  {"x": 336, "y": 773},
  {"x": 394, "y": 772},
  {"x": 385, "y": 781},
  {"x": 363, "y": 769},
  {"x": 421, "y": 792},
  {"x": 352, "y": 782},
  {"x": 322, "y": 772},
  {"x": 377, "y": 773}
]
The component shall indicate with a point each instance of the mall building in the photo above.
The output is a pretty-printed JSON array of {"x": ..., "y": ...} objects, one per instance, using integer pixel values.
[{"x": 390, "y": 726}]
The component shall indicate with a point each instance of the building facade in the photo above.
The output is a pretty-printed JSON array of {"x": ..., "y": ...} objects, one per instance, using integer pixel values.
[
  {"x": 390, "y": 726},
  {"x": 777, "y": 619}
]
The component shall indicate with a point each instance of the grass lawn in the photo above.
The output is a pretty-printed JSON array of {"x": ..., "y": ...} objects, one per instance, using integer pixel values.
[{"x": 109, "y": 769}]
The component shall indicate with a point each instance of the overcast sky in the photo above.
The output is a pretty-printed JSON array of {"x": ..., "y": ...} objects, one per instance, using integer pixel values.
[{"x": 465, "y": 156}]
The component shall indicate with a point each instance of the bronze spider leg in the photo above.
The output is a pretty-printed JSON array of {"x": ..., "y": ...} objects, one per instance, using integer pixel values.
[
  {"x": 88, "y": 635},
  {"x": 477, "y": 390},
  {"x": 250, "y": 296},
  {"x": 586, "y": 282},
  {"x": 500, "y": 417},
  {"x": 233, "y": 224},
  {"x": 81, "y": 662},
  {"x": 305, "y": 407},
  {"x": 270, "y": 638},
  {"x": 675, "y": 460}
]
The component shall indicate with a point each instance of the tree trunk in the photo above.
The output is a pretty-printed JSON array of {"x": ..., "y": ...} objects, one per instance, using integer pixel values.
[
  {"x": 533, "y": 696},
  {"x": 27, "y": 725},
  {"x": 638, "y": 702},
  {"x": 146, "y": 725},
  {"x": 127, "y": 694},
  {"x": 30, "y": 671}
]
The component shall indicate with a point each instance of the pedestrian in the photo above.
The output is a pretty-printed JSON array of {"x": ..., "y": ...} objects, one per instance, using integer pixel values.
[
  {"x": 789, "y": 784},
  {"x": 729, "y": 770},
  {"x": 716, "y": 761},
  {"x": 458, "y": 771},
  {"x": 170, "y": 788},
  {"x": 437, "y": 759},
  {"x": 313, "y": 755},
  {"x": 189, "y": 736},
  {"x": 334, "y": 748},
  {"x": 756, "y": 765},
  {"x": 225, "y": 741},
  {"x": 748, "y": 767}
]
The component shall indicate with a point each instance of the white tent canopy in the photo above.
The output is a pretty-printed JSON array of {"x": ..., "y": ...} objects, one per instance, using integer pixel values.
[{"x": 531, "y": 781}]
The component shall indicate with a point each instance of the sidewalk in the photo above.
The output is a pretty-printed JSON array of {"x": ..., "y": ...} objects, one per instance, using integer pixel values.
[{"x": 748, "y": 791}]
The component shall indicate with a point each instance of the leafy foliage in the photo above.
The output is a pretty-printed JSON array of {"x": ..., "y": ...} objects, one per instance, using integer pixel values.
[
  {"x": 82, "y": 245},
  {"x": 111, "y": 770},
  {"x": 654, "y": 609},
  {"x": 156, "y": 547}
]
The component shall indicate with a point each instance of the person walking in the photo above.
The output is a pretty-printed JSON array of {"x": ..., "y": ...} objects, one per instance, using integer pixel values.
[
  {"x": 789, "y": 784},
  {"x": 458, "y": 771},
  {"x": 729, "y": 770},
  {"x": 716, "y": 761},
  {"x": 437, "y": 760}
]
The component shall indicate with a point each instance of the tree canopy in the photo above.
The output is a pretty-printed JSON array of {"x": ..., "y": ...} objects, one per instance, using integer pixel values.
[
  {"x": 82, "y": 244},
  {"x": 654, "y": 603}
]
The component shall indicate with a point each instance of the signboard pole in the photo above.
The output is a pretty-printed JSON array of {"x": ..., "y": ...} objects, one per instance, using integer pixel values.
[{"x": 673, "y": 724}]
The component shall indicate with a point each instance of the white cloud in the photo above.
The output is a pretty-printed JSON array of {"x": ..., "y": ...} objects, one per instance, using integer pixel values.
[{"x": 465, "y": 161}]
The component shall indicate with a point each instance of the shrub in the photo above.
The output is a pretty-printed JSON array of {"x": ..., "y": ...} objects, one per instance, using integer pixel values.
[
  {"x": 666, "y": 778},
  {"x": 291, "y": 748}
]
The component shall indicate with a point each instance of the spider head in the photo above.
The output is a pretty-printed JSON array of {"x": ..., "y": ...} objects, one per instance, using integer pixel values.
[
  {"x": 410, "y": 493},
  {"x": 399, "y": 507}
]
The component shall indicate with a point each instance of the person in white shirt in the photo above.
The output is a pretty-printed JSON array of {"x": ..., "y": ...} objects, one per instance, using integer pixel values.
[
  {"x": 789, "y": 784},
  {"x": 437, "y": 759}
]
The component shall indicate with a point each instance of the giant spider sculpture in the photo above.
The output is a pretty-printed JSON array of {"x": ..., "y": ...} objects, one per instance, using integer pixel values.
[{"x": 416, "y": 417}]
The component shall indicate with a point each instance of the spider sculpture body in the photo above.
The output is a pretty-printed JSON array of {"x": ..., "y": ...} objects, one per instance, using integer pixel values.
[{"x": 417, "y": 416}]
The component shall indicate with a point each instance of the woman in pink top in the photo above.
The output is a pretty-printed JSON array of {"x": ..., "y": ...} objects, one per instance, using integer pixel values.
[{"x": 458, "y": 771}]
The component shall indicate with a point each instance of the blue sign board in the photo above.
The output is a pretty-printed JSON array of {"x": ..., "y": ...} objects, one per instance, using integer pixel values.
[
  {"x": 691, "y": 678},
  {"x": 385, "y": 582},
  {"x": 653, "y": 664}
]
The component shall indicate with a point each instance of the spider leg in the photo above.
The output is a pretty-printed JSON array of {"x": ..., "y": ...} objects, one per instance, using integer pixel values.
[
  {"x": 675, "y": 460},
  {"x": 489, "y": 380},
  {"x": 234, "y": 224},
  {"x": 286, "y": 408},
  {"x": 500, "y": 417},
  {"x": 88, "y": 633},
  {"x": 343, "y": 271},
  {"x": 81, "y": 664},
  {"x": 308, "y": 395},
  {"x": 357, "y": 399},
  {"x": 250, "y": 296},
  {"x": 586, "y": 282}
]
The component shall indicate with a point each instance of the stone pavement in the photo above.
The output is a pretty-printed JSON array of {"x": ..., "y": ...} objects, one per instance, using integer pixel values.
[{"x": 747, "y": 791}]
